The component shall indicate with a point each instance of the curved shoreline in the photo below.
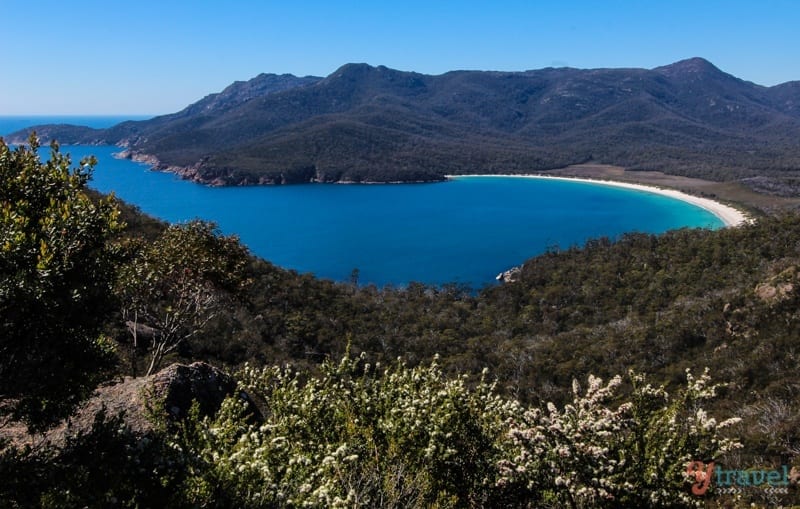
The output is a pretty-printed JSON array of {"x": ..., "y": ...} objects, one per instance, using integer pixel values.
[{"x": 729, "y": 216}]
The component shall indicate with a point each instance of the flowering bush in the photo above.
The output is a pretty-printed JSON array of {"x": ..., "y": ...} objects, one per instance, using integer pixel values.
[
  {"x": 593, "y": 453},
  {"x": 373, "y": 437},
  {"x": 356, "y": 436}
]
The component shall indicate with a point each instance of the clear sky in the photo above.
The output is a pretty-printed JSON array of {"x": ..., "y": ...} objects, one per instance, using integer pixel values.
[{"x": 157, "y": 56}]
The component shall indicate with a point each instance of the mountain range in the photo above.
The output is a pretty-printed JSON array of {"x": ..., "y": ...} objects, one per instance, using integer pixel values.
[{"x": 365, "y": 123}]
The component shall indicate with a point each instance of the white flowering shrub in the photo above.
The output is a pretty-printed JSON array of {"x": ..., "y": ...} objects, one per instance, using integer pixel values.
[
  {"x": 358, "y": 436},
  {"x": 598, "y": 452},
  {"x": 355, "y": 436}
]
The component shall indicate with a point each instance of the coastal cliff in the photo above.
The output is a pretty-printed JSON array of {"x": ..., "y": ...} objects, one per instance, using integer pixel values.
[{"x": 219, "y": 177}]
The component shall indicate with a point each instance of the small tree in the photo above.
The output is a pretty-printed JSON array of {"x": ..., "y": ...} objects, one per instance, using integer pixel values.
[
  {"x": 56, "y": 273},
  {"x": 173, "y": 287}
]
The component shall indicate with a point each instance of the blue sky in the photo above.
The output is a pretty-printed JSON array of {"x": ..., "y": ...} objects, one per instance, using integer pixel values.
[{"x": 152, "y": 57}]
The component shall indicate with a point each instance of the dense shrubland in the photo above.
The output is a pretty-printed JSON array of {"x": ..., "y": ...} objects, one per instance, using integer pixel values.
[
  {"x": 359, "y": 435},
  {"x": 371, "y": 436},
  {"x": 357, "y": 426}
]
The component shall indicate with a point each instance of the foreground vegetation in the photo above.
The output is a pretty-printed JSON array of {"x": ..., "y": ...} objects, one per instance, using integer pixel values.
[
  {"x": 364, "y": 436},
  {"x": 83, "y": 299}
]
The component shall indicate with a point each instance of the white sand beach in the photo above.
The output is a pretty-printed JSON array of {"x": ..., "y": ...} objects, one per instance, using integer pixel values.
[{"x": 730, "y": 216}]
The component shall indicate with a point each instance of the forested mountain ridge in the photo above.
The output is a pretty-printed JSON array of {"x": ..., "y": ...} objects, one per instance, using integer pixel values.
[{"x": 364, "y": 123}]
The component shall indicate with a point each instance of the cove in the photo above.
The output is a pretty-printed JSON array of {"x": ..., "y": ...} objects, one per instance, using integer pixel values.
[{"x": 463, "y": 231}]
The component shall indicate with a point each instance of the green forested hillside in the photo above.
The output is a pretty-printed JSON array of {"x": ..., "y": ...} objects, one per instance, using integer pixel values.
[
  {"x": 501, "y": 418},
  {"x": 688, "y": 298}
]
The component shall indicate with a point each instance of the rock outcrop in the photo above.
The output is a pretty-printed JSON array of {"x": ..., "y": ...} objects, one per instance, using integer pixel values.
[
  {"x": 509, "y": 276},
  {"x": 779, "y": 287},
  {"x": 166, "y": 396}
]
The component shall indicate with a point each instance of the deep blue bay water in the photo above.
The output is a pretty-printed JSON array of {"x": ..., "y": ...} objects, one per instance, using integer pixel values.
[{"x": 466, "y": 230}]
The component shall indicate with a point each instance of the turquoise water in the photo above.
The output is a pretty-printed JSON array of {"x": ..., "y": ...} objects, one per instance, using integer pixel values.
[{"x": 466, "y": 230}]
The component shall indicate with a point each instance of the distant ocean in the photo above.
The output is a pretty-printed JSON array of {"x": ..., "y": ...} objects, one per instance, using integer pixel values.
[
  {"x": 9, "y": 124},
  {"x": 465, "y": 231}
]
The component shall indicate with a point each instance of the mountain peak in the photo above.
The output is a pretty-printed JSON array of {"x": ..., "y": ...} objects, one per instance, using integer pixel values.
[
  {"x": 240, "y": 92},
  {"x": 352, "y": 69},
  {"x": 371, "y": 80},
  {"x": 695, "y": 65}
]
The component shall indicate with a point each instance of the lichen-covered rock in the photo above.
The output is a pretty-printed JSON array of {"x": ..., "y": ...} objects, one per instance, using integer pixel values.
[
  {"x": 175, "y": 387},
  {"x": 778, "y": 287}
]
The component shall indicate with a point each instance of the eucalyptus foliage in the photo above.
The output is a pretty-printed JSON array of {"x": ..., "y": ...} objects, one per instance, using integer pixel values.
[
  {"x": 56, "y": 269},
  {"x": 175, "y": 285}
]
